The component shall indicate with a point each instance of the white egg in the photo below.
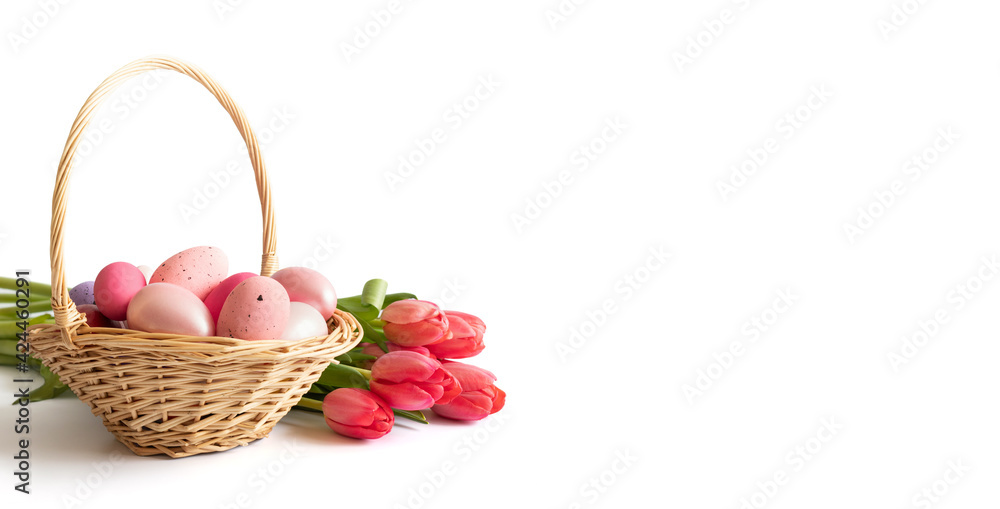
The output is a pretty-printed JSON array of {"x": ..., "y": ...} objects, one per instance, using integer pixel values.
[{"x": 304, "y": 322}]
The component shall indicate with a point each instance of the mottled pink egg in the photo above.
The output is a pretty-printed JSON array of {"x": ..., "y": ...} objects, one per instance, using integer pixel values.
[
  {"x": 171, "y": 309},
  {"x": 256, "y": 309},
  {"x": 93, "y": 316},
  {"x": 217, "y": 297},
  {"x": 199, "y": 269},
  {"x": 310, "y": 287},
  {"x": 304, "y": 322},
  {"x": 114, "y": 288}
]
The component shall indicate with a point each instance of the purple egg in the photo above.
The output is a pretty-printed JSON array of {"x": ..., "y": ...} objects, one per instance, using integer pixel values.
[{"x": 82, "y": 293}]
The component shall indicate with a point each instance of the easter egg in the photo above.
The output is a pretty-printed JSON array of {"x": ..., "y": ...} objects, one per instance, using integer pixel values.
[
  {"x": 93, "y": 316},
  {"x": 114, "y": 288},
  {"x": 82, "y": 293},
  {"x": 146, "y": 271},
  {"x": 199, "y": 269},
  {"x": 217, "y": 297},
  {"x": 304, "y": 322},
  {"x": 256, "y": 309},
  {"x": 171, "y": 309},
  {"x": 310, "y": 287}
]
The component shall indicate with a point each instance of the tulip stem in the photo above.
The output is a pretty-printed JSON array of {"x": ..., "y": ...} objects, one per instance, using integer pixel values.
[
  {"x": 364, "y": 372},
  {"x": 311, "y": 404}
]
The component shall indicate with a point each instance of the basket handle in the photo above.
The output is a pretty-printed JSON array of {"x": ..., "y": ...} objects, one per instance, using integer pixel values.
[{"x": 67, "y": 318}]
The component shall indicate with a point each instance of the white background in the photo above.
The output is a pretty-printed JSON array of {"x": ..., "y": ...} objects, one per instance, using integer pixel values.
[{"x": 336, "y": 124}]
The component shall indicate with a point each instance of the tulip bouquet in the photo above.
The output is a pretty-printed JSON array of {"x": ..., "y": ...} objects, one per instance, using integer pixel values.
[{"x": 405, "y": 366}]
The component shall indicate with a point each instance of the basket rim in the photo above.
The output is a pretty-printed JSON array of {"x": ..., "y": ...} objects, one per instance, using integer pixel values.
[{"x": 343, "y": 323}]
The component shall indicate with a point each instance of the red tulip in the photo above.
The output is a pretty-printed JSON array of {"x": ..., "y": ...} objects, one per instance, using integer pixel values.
[
  {"x": 414, "y": 322},
  {"x": 357, "y": 413},
  {"x": 464, "y": 338},
  {"x": 410, "y": 381},
  {"x": 479, "y": 397}
]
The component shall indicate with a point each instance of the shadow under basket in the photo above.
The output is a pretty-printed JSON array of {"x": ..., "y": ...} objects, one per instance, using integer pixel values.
[
  {"x": 167, "y": 393},
  {"x": 180, "y": 395}
]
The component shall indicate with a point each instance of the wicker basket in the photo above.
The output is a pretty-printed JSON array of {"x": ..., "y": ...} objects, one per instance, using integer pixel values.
[{"x": 173, "y": 394}]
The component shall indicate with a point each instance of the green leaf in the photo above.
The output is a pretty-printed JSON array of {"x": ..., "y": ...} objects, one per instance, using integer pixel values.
[
  {"x": 339, "y": 375},
  {"x": 374, "y": 292},
  {"x": 360, "y": 310},
  {"x": 50, "y": 389},
  {"x": 413, "y": 415},
  {"x": 393, "y": 297},
  {"x": 374, "y": 335}
]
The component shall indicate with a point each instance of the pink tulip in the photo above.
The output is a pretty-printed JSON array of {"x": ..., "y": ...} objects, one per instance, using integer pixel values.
[
  {"x": 479, "y": 397},
  {"x": 414, "y": 322},
  {"x": 464, "y": 338},
  {"x": 357, "y": 413},
  {"x": 410, "y": 381}
]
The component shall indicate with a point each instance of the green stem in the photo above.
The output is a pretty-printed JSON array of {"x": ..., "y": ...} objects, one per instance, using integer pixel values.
[
  {"x": 311, "y": 404},
  {"x": 10, "y": 298},
  {"x": 364, "y": 372},
  {"x": 11, "y": 284},
  {"x": 37, "y": 306}
]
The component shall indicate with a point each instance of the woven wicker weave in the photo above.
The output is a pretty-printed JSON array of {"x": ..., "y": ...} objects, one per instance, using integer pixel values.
[{"x": 173, "y": 394}]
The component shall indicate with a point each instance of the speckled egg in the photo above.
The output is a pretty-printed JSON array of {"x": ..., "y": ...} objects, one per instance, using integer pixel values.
[
  {"x": 82, "y": 293},
  {"x": 310, "y": 287},
  {"x": 217, "y": 297},
  {"x": 171, "y": 309},
  {"x": 304, "y": 322},
  {"x": 256, "y": 309},
  {"x": 114, "y": 288},
  {"x": 199, "y": 269}
]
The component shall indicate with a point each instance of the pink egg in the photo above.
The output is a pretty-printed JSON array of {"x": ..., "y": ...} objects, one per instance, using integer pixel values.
[
  {"x": 304, "y": 322},
  {"x": 199, "y": 269},
  {"x": 94, "y": 316},
  {"x": 308, "y": 286},
  {"x": 170, "y": 309},
  {"x": 257, "y": 309},
  {"x": 217, "y": 297},
  {"x": 114, "y": 288}
]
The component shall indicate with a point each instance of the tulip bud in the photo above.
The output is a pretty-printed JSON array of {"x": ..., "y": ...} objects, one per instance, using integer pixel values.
[
  {"x": 410, "y": 381},
  {"x": 479, "y": 397},
  {"x": 357, "y": 413},
  {"x": 414, "y": 322},
  {"x": 464, "y": 338}
]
